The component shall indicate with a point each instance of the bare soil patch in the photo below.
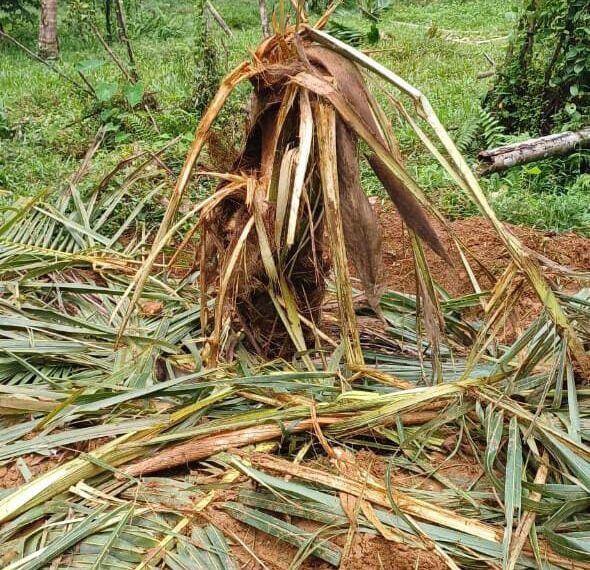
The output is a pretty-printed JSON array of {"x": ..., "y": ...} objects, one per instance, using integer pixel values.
[
  {"x": 486, "y": 249},
  {"x": 566, "y": 249},
  {"x": 368, "y": 552}
]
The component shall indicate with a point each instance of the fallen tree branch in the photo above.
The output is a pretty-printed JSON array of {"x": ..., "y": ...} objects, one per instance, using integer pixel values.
[
  {"x": 202, "y": 448},
  {"x": 217, "y": 17},
  {"x": 484, "y": 74},
  {"x": 504, "y": 157},
  {"x": 72, "y": 82}
]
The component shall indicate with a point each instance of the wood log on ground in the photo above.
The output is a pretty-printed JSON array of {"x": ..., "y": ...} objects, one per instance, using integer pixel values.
[{"x": 560, "y": 144}]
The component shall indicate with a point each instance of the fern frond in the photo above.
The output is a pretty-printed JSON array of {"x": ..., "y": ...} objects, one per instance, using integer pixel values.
[
  {"x": 140, "y": 128},
  {"x": 492, "y": 132},
  {"x": 467, "y": 134},
  {"x": 348, "y": 34}
]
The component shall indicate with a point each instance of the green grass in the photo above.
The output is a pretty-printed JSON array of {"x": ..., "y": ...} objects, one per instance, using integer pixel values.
[
  {"x": 469, "y": 16},
  {"x": 43, "y": 133}
]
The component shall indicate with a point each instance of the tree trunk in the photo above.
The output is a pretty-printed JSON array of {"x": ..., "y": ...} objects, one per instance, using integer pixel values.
[
  {"x": 264, "y": 18},
  {"x": 122, "y": 27},
  {"x": 501, "y": 158},
  {"x": 107, "y": 18},
  {"x": 47, "y": 46}
]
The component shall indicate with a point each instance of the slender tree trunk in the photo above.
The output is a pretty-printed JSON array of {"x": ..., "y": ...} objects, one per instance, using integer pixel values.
[
  {"x": 264, "y": 18},
  {"x": 122, "y": 25},
  {"x": 48, "y": 47},
  {"x": 107, "y": 18}
]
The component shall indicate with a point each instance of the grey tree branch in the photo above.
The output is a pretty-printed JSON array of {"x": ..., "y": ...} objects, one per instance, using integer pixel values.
[
  {"x": 46, "y": 63},
  {"x": 120, "y": 12},
  {"x": 561, "y": 144},
  {"x": 217, "y": 17}
]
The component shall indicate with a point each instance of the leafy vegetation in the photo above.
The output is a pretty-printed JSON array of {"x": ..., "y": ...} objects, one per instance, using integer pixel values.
[
  {"x": 16, "y": 11},
  {"x": 543, "y": 83},
  {"x": 541, "y": 87},
  {"x": 442, "y": 59}
]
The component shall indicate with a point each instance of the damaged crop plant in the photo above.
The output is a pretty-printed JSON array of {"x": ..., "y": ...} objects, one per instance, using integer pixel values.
[{"x": 239, "y": 395}]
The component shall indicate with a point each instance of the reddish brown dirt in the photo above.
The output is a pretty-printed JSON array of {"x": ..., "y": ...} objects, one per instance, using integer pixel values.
[
  {"x": 463, "y": 470},
  {"x": 375, "y": 553},
  {"x": 485, "y": 249},
  {"x": 567, "y": 249},
  {"x": 11, "y": 477},
  {"x": 368, "y": 552}
]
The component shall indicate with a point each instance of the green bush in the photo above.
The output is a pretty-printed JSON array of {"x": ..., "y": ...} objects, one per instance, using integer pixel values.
[
  {"x": 12, "y": 11},
  {"x": 544, "y": 83}
]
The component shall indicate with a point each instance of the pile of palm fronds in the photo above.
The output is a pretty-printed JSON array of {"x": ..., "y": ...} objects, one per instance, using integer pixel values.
[{"x": 126, "y": 372}]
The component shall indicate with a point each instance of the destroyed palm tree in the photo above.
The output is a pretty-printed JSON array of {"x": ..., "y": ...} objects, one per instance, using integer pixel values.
[
  {"x": 293, "y": 205},
  {"x": 294, "y": 194},
  {"x": 203, "y": 380}
]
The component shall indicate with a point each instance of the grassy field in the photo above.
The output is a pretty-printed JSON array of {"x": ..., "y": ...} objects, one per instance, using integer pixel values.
[{"x": 438, "y": 46}]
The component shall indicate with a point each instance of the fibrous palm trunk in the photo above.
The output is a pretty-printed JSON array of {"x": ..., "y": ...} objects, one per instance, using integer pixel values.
[{"x": 48, "y": 47}]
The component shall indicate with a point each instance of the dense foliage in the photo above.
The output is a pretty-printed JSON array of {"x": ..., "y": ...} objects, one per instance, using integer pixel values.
[
  {"x": 11, "y": 10},
  {"x": 544, "y": 82}
]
